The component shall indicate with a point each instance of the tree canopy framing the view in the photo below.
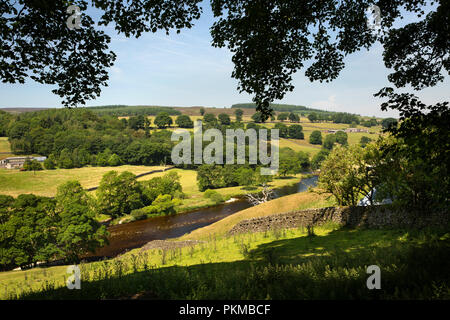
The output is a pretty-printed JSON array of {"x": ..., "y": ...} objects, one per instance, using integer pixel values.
[{"x": 270, "y": 41}]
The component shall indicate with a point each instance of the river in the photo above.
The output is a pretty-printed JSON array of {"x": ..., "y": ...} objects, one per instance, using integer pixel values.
[{"x": 135, "y": 234}]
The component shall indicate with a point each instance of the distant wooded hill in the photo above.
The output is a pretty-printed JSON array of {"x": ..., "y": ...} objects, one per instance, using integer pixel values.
[
  {"x": 21, "y": 110},
  {"x": 283, "y": 108},
  {"x": 127, "y": 111}
]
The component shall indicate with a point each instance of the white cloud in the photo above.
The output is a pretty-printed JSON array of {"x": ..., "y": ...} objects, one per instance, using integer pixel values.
[
  {"x": 116, "y": 73},
  {"x": 329, "y": 104}
]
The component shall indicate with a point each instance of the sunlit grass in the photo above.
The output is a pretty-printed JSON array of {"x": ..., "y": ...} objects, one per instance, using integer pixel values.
[
  {"x": 4, "y": 145},
  {"x": 299, "y": 145},
  {"x": 297, "y": 201},
  {"x": 280, "y": 264},
  {"x": 45, "y": 182}
]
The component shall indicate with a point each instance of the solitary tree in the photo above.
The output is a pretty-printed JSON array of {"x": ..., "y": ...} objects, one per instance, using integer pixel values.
[
  {"x": 312, "y": 117},
  {"x": 266, "y": 194},
  {"x": 341, "y": 137},
  {"x": 296, "y": 132},
  {"x": 183, "y": 121},
  {"x": 257, "y": 117},
  {"x": 283, "y": 130},
  {"x": 329, "y": 141},
  {"x": 345, "y": 173},
  {"x": 293, "y": 117},
  {"x": 118, "y": 194},
  {"x": 163, "y": 120},
  {"x": 238, "y": 113},
  {"x": 315, "y": 137},
  {"x": 283, "y": 116},
  {"x": 224, "y": 119},
  {"x": 317, "y": 160},
  {"x": 210, "y": 118}
]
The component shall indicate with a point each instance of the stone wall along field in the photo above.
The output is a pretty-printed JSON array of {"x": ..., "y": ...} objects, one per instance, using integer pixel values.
[{"x": 369, "y": 217}]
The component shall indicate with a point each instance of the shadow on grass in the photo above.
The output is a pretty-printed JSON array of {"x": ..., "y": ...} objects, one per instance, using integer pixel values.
[
  {"x": 249, "y": 188},
  {"x": 342, "y": 241},
  {"x": 332, "y": 266},
  {"x": 286, "y": 177}
]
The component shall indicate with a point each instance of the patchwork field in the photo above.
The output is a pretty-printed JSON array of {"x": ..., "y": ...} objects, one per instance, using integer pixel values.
[{"x": 308, "y": 128}]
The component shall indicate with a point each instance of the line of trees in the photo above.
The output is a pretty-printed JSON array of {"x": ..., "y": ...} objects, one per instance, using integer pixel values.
[
  {"x": 294, "y": 131},
  {"x": 40, "y": 229},
  {"x": 121, "y": 194},
  {"x": 292, "y": 162},
  {"x": 128, "y": 111},
  {"x": 222, "y": 176},
  {"x": 312, "y": 114},
  {"x": 73, "y": 138},
  {"x": 34, "y": 229}
]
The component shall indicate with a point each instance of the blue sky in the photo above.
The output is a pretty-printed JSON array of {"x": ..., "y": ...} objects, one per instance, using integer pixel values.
[{"x": 185, "y": 70}]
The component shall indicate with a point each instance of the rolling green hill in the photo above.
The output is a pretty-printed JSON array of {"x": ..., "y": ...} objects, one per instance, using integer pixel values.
[{"x": 125, "y": 111}]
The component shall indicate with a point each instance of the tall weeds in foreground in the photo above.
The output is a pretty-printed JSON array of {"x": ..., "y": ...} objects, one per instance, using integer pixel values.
[{"x": 283, "y": 264}]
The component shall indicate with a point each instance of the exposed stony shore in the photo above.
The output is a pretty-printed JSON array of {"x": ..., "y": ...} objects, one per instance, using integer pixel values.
[{"x": 165, "y": 244}]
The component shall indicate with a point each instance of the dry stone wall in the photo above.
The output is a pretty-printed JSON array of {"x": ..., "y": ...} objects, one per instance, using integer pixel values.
[{"x": 370, "y": 217}]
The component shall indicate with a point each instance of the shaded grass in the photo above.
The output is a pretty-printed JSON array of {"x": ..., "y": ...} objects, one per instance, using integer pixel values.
[{"x": 280, "y": 264}]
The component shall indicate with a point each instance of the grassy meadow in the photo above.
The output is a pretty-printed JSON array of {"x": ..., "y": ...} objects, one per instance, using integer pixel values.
[
  {"x": 279, "y": 264},
  {"x": 299, "y": 145},
  {"x": 45, "y": 182},
  {"x": 4, "y": 145},
  {"x": 5, "y": 148}
]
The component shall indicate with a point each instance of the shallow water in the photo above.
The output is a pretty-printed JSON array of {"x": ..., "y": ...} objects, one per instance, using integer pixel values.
[{"x": 135, "y": 234}]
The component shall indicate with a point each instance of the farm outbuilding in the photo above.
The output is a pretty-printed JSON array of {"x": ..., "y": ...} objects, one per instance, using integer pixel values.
[{"x": 18, "y": 162}]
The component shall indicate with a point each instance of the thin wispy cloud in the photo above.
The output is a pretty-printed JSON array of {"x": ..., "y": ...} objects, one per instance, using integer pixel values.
[{"x": 329, "y": 104}]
